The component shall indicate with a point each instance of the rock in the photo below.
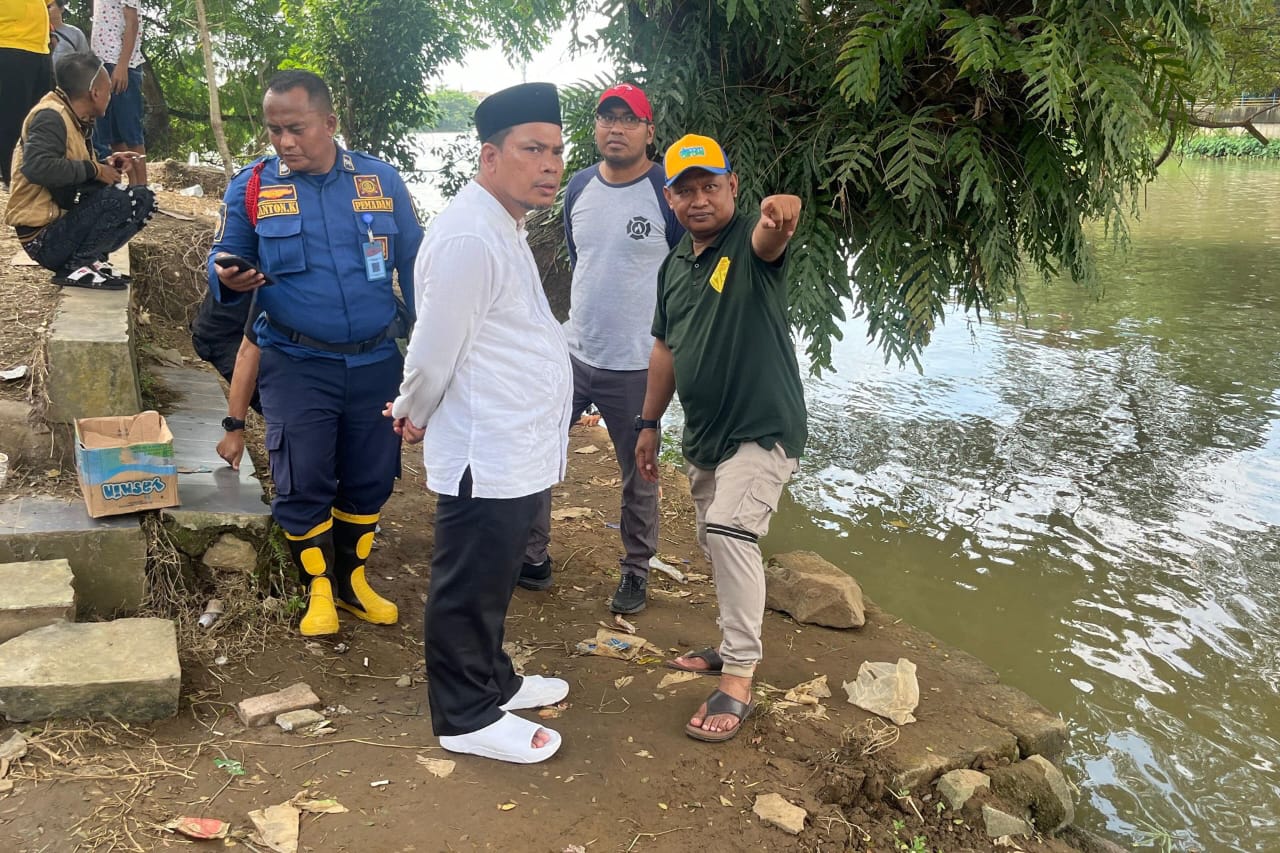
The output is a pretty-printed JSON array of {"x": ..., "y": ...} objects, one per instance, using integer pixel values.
[
  {"x": 291, "y": 721},
  {"x": 127, "y": 669},
  {"x": 90, "y": 355},
  {"x": 108, "y": 556},
  {"x": 14, "y": 747},
  {"x": 34, "y": 594},
  {"x": 814, "y": 591},
  {"x": 1040, "y": 787},
  {"x": 260, "y": 710},
  {"x": 776, "y": 811},
  {"x": 1000, "y": 823},
  {"x": 1088, "y": 842},
  {"x": 404, "y": 681},
  {"x": 958, "y": 786},
  {"x": 231, "y": 553},
  {"x": 1038, "y": 731}
]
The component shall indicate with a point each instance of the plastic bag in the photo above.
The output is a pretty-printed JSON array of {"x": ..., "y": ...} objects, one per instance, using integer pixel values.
[{"x": 890, "y": 690}]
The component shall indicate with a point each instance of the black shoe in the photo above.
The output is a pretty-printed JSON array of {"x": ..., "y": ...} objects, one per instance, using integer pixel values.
[
  {"x": 630, "y": 596},
  {"x": 535, "y": 576}
]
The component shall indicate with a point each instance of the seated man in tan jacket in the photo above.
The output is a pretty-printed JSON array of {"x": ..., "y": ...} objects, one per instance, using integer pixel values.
[{"x": 65, "y": 206}]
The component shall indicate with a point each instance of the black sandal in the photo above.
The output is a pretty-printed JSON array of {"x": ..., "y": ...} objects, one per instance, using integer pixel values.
[
  {"x": 89, "y": 278},
  {"x": 720, "y": 702},
  {"x": 715, "y": 666}
]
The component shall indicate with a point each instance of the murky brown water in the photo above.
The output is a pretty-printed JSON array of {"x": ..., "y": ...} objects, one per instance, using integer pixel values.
[{"x": 1091, "y": 504}]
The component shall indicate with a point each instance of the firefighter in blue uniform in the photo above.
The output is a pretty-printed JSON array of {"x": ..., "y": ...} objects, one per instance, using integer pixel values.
[{"x": 322, "y": 229}]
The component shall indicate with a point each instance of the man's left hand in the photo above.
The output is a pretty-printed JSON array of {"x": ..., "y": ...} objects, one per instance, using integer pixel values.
[
  {"x": 780, "y": 213},
  {"x": 119, "y": 79},
  {"x": 404, "y": 427}
]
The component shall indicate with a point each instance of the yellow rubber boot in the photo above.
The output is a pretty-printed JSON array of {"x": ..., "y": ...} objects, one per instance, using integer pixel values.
[
  {"x": 313, "y": 552},
  {"x": 352, "y": 544}
]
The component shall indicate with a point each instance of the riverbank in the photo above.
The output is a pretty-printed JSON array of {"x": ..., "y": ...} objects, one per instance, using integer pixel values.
[{"x": 627, "y": 778}]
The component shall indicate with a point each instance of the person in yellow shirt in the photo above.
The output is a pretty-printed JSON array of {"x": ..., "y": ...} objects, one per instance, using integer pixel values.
[{"x": 26, "y": 72}]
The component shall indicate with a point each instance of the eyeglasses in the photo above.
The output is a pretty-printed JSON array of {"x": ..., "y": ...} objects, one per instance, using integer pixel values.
[{"x": 629, "y": 120}]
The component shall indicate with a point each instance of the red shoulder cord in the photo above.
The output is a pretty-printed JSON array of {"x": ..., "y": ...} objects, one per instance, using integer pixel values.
[{"x": 251, "y": 193}]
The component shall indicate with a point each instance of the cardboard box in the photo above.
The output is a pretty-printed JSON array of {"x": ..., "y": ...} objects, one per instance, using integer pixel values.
[{"x": 126, "y": 464}]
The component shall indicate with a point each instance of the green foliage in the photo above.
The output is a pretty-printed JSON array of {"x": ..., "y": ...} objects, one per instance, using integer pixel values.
[
  {"x": 941, "y": 147},
  {"x": 1222, "y": 145},
  {"x": 1249, "y": 35},
  {"x": 250, "y": 39},
  {"x": 454, "y": 110}
]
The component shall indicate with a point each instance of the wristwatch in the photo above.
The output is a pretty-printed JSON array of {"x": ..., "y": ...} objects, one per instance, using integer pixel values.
[
  {"x": 642, "y": 424},
  {"x": 231, "y": 424}
]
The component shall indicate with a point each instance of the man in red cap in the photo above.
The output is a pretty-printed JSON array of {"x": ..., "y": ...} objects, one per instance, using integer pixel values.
[{"x": 619, "y": 228}]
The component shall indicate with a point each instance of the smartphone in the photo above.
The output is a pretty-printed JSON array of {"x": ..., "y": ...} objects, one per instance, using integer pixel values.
[{"x": 239, "y": 264}]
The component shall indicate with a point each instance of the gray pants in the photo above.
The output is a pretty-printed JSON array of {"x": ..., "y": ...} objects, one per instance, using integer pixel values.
[{"x": 619, "y": 395}]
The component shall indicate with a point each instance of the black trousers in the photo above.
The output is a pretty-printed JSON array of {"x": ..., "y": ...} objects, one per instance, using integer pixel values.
[
  {"x": 479, "y": 549},
  {"x": 25, "y": 77},
  {"x": 100, "y": 223}
]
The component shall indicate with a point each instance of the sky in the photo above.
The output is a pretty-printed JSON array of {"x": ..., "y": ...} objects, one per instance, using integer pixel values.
[{"x": 488, "y": 71}]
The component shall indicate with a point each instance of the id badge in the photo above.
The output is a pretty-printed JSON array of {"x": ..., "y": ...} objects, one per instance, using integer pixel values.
[{"x": 375, "y": 267}]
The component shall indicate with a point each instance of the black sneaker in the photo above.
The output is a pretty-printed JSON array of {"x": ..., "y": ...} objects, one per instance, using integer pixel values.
[
  {"x": 630, "y": 596},
  {"x": 535, "y": 576}
]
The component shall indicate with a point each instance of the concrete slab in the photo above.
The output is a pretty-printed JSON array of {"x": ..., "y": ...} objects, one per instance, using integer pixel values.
[
  {"x": 108, "y": 556},
  {"x": 27, "y": 441},
  {"x": 212, "y": 492},
  {"x": 126, "y": 669},
  {"x": 35, "y": 594},
  {"x": 92, "y": 369}
]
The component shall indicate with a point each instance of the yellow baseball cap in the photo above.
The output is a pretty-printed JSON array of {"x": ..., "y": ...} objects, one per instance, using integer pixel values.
[{"x": 694, "y": 152}]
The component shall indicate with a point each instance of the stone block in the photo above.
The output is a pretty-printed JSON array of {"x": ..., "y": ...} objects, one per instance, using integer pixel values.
[
  {"x": 775, "y": 810},
  {"x": 34, "y": 594},
  {"x": 1000, "y": 824},
  {"x": 108, "y": 556},
  {"x": 231, "y": 553},
  {"x": 126, "y": 669},
  {"x": 813, "y": 591},
  {"x": 1038, "y": 731},
  {"x": 92, "y": 368},
  {"x": 1039, "y": 787},
  {"x": 969, "y": 741},
  {"x": 27, "y": 443},
  {"x": 294, "y": 720},
  {"x": 957, "y": 786},
  {"x": 260, "y": 710}
]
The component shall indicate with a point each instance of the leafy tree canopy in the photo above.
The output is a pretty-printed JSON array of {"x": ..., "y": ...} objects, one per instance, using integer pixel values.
[
  {"x": 455, "y": 110},
  {"x": 940, "y": 146}
]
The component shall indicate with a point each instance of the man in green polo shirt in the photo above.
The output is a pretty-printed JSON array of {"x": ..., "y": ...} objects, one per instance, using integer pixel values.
[{"x": 723, "y": 342}]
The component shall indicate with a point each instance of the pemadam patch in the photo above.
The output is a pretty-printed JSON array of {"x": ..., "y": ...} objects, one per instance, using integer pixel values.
[{"x": 369, "y": 197}]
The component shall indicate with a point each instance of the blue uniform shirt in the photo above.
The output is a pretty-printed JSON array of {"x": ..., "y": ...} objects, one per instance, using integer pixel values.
[{"x": 309, "y": 239}]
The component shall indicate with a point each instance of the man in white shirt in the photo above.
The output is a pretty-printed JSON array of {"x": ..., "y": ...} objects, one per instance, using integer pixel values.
[
  {"x": 619, "y": 229},
  {"x": 487, "y": 380}
]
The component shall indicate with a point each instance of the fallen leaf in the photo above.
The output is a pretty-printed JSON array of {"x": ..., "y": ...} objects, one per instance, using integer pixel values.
[
  {"x": 570, "y": 512},
  {"x": 590, "y": 448},
  {"x": 809, "y": 692},
  {"x": 549, "y": 713},
  {"x": 697, "y": 577},
  {"x": 53, "y": 472},
  {"x": 438, "y": 767},
  {"x": 329, "y": 806},
  {"x": 623, "y": 623},
  {"x": 644, "y": 753},
  {"x": 506, "y": 807},
  {"x": 662, "y": 806},
  {"x": 667, "y": 569},
  {"x": 671, "y": 679},
  {"x": 725, "y": 801},
  {"x": 623, "y": 681}
]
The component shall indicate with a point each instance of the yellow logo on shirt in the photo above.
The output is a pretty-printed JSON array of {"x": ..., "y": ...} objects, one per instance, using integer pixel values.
[
  {"x": 719, "y": 275},
  {"x": 277, "y": 200}
]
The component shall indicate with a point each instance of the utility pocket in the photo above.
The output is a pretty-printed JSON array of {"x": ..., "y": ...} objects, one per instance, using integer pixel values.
[
  {"x": 384, "y": 230},
  {"x": 280, "y": 244},
  {"x": 278, "y": 453}
]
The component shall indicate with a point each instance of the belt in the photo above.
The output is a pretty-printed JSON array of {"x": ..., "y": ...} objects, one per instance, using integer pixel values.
[{"x": 356, "y": 348}]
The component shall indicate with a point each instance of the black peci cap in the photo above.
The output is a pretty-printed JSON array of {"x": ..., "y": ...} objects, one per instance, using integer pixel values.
[{"x": 528, "y": 102}]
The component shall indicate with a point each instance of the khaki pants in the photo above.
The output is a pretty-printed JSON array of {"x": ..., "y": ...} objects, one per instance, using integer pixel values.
[{"x": 734, "y": 503}]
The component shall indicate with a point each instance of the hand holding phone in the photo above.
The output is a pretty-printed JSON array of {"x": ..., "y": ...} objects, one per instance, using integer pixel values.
[{"x": 240, "y": 275}]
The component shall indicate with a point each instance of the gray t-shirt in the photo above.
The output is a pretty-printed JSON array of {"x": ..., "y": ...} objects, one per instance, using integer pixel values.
[{"x": 618, "y": 236}]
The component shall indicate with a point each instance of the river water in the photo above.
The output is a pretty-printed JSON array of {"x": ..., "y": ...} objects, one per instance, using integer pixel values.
[{"x": 1090, "y": 503}]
